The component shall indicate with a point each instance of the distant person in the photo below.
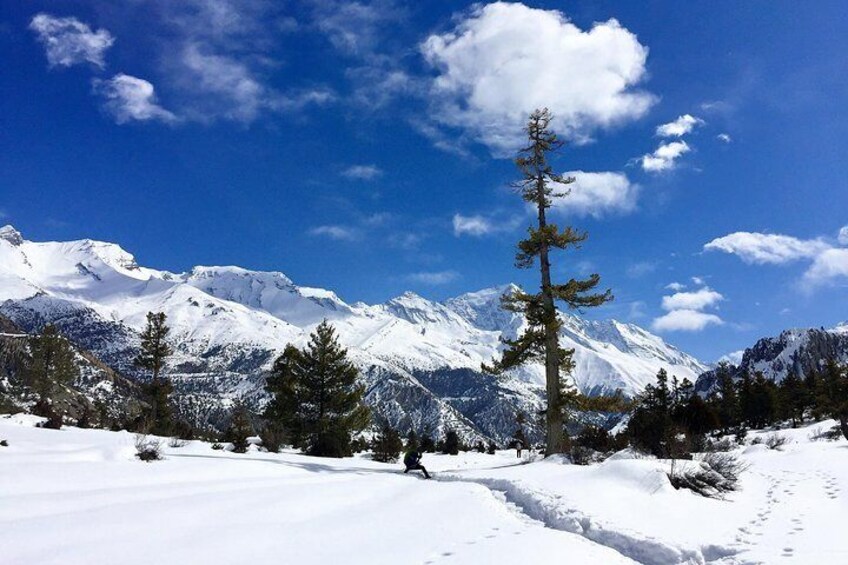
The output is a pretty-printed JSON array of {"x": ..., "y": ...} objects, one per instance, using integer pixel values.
[
  {"x": 518, "y": 447},
  {"x": 412, "y": 460}
]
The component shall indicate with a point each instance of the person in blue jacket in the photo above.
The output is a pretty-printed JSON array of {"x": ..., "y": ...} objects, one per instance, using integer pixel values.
[{"x": 412, "y": 460}]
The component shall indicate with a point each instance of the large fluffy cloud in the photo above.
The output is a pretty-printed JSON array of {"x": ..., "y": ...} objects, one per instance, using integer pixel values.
[
  {"x": 68, "y": 41},
  {"x": 598, "y": 194},
  {"x": 762, "y": 248},
  {"x": 502, "y": 60},
  {"x": 128, "y": 98}
]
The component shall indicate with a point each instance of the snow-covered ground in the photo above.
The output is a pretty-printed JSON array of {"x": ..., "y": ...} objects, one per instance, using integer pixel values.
[{"x": 80, "y": 497}]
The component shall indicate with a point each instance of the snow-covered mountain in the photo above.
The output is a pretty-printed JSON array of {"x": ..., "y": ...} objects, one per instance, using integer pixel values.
[
  {"x": 420, "y": 359},
  {"x": 795, "y": 351}
]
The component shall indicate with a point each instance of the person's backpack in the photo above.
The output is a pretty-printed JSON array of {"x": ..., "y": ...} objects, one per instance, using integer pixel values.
[{"x": 410, "y": 458}]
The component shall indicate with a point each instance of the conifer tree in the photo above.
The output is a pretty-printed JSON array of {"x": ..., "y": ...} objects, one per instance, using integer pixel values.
[
  {"x": 387, "y": 445},
  {"x": 832, "y": 393},
  {"x": 51, "y": 363},
  {"x": 793, "y": 398},
  {"x": 239, "y": 429},
  {"x": 725, "y": 399},
  {"x": 154, "y": 351},
  {"x": 540, "y": 187},
  {"x": 315, "y": 395},
  {"x": 451, "y": 444}
]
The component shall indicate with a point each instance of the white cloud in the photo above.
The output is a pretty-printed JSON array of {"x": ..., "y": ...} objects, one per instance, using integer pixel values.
[
  {"x": 339, "y": 233},
  {"x": 503, "y": 60},
  {"x": 433, "y": 278},
  {"x": 598, "y": 194},
  {"x": 679, "y": 127},
  {"x": 362, "y": 172},
  {"x": 698, "y": 281},
  {"x": 734, "y": 357},
  {"x": 725, "y": 137},
  {"x": 686, "y": 321},
  {"x": 826, "y": 268},
  {"x": 685, "y": 309},
  {"x": 664, "y": 157},
  {"x": 675, "y": 286},
  {"x": 471, "y": 225},
  {"x": 763, "y": 248},
  {"x": 842, "y": 238},
  {"x": 128, "y": 98},
  {"x": 640, "y": 269},
  {"x": 68, "y": 41},
  {"x": 695, "y": 300}
]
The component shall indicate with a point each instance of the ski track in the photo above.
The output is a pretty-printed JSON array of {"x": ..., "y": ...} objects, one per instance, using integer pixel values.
[{"x": 548, "y": 511}]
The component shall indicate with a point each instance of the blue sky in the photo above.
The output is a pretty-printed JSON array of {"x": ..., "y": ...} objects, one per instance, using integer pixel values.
[{"x": 364, "y": 147}]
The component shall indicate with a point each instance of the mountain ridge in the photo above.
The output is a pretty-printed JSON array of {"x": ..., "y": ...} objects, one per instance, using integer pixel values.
[{"x": 229, "y": 323}]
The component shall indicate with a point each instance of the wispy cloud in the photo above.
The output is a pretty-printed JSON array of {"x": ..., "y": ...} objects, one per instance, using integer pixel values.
[
  {"x": 433, "y": 278},
  {"x": 337, "y": 232},
  {"x": 598, "y": 194},
  {"x": 362, "y": 172},
  {"x": 829, "y": 263},
  {"x": 68, "y": 41},
  {"x": 725, "y": 137},
  {"x": 128, "y": 98}
]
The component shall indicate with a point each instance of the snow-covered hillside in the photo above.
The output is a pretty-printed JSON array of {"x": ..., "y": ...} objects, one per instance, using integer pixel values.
[
  {"x": 75, "y": 497},
  {"x": 229, "y": 323}
]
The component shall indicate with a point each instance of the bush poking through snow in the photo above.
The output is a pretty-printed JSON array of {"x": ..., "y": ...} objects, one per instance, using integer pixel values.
[
  {"x": 720, "y": 446},
  {"x": 4, "y": 443},
  {"x": 712, "y": 476},
  {"x": 147, "y": 449},
  {"x": 818, "y": 434},
  {"x": 176, "y": 442},
  {"x": 775, "y": 441},
  {"x": 218, "y": 446}
]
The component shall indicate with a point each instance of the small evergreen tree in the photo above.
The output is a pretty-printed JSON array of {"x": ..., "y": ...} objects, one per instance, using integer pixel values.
[
  {"x": 428, "y": 445},
  {"x": 387, "y": 445},
  {"x": 239, "y": 429},
  {"x": 51, "y": 364},
  {"x": 315, "y": 395},
  {"x": 480, "y": 447},
  {"x": 492, "y": 448},
  {"x": 451, "y": 444},
  {"x": 793, "y": 399},
  {"x": 832, "y": 393},
  {"x": 725, "y": 400},
  {"x": 154, "y": 351}
]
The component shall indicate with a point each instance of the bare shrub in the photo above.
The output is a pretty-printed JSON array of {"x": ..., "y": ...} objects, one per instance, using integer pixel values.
[
  {"x": 819, "y": 434},
  {"x": 712, "y": 476},
  {"x": 218, "y": 446},
  {"x": 581, "y": 455},
  {"x": 720, "y": 446},
  {"x": 775, "y": 441},
  {"x": 147, "y": 449},
  {"x": 176, "y": 442}
]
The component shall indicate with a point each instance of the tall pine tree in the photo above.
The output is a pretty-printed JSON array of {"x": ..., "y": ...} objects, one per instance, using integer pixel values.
[
  {"x": 154, "y": 351},
  {"x": 315, "y": 395},
  {"x": 540, "y": 187}
]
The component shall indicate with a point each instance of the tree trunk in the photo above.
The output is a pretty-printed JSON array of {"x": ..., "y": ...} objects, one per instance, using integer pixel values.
[
  {"x": 553, "y": 414},
  {"x": 843, "y": 423}
]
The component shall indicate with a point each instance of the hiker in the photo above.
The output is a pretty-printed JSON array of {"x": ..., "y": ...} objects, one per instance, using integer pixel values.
[{"x": 412, "y": 460}]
